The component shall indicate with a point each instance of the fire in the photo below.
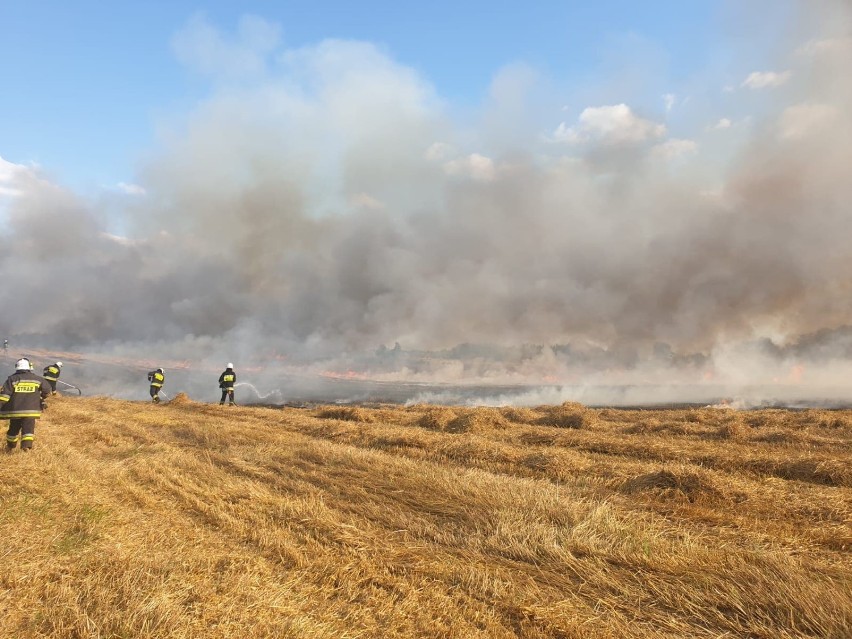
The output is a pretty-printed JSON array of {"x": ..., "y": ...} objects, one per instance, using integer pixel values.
[{"x": 796, "y": 373}]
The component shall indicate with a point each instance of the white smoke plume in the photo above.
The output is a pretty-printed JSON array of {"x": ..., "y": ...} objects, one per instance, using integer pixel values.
[{"x": 323, "y": 201}]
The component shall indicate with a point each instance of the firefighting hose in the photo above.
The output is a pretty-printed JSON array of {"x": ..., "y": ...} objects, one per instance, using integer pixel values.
[{"x": 71, "y": 386}]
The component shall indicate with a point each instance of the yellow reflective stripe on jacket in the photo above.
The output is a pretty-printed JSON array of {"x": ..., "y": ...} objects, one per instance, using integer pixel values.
[
  {"x": 4, "y": 398},
  {"x": 156, "y": 384},
  {"x": 17, "y": 414}
]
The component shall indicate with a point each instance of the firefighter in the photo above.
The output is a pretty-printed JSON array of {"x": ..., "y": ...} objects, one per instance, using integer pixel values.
[
  {"x": 157, "y": 379},
  {"x": 226, "y": 382},
  {"x": 21, "y": 402},
  {"x": 51, "y": 374}
]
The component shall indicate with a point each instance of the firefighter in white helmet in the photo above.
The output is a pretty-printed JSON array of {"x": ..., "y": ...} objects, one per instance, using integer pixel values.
[
  {"x": 51, "y": 374},
  {"x": 226, "y": 382},
  {"x": 157, "y": 378},
  {"x": 21, "y": 402}
]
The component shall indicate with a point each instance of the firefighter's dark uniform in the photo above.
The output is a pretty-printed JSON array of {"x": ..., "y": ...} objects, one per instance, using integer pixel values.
[
  {"x": 51, "y": 374},
  {"x": 157, "y": 380},
  {"x": 226, "y": 383},
  {"x": 21, "y": 402}
]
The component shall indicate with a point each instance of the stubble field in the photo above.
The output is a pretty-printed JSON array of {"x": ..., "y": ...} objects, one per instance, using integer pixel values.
[{"x": 195, "y": 520}]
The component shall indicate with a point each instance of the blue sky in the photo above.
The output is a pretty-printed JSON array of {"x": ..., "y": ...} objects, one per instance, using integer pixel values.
[{"x": 86, "y": 84}]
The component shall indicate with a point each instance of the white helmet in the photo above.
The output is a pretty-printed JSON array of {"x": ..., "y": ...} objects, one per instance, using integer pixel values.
[
  {"x": 230, "y": 365},
  {"x": 58, "y": 364},
  {"x": 23, "y": 364},
  {"x": 161, "y": 370}
]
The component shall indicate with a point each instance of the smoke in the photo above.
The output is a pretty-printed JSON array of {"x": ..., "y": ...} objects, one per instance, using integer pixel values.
[{"x": 326, "y": 200}]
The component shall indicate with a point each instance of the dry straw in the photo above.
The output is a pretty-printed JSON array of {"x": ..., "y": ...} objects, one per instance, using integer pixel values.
[{"x": 183, "y": 520}]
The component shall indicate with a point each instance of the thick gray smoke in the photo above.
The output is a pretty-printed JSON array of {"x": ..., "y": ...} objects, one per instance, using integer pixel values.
[{"x": 325, "y": 201}]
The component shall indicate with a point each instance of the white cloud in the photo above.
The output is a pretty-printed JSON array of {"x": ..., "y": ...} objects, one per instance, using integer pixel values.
[
  {"x": 766, "y": 79},
  {"x": 674, "y": 148},
  {"x": 9, "y": 170},
  {"x": 669, "y": 100},
  {"x": 475, "y": 166},
  {"x": 724, "y": 123},
  {"x": 613, "y": 124},
  {"x": 11, "y": 177},
  {"x": 130, "y": 189},
  {"x": 565, "y": 133},
  {"x": 803, "y": 119}
]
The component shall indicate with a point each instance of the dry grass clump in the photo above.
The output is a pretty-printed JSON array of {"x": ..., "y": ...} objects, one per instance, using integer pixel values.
[
  {"x": 539, "y": 437},
  {"x": 677, "y": 484},
  {"x": 767, "y": 418},
  {"x": 521, "y": 415},
  {"x": 758, "y": 420},
  {"x": 693, "y": 416},
  {"x": 643, "y": 426},
  {"x": 843, "y": 422},
  {"x": 734, "y": 429},
  {"x": 477, "y": 420},
  {"x": 568, "y": 415},
  {"x": 782, "y": 437},
  {"x": 675, "y": 428},
  {"x": 541, "y": 462},
  {"x": 436, "y": 418},
  {"x": 570, "y": 406},
  {"x": 654, "y": 425},
  {"x": 819, "y": 471},
  {"x": 347, "y": 414},
  {"x": 181, "y": 398}
]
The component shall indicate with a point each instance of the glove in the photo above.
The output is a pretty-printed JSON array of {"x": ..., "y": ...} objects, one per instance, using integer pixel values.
[{"x": 43, "y": 405}]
